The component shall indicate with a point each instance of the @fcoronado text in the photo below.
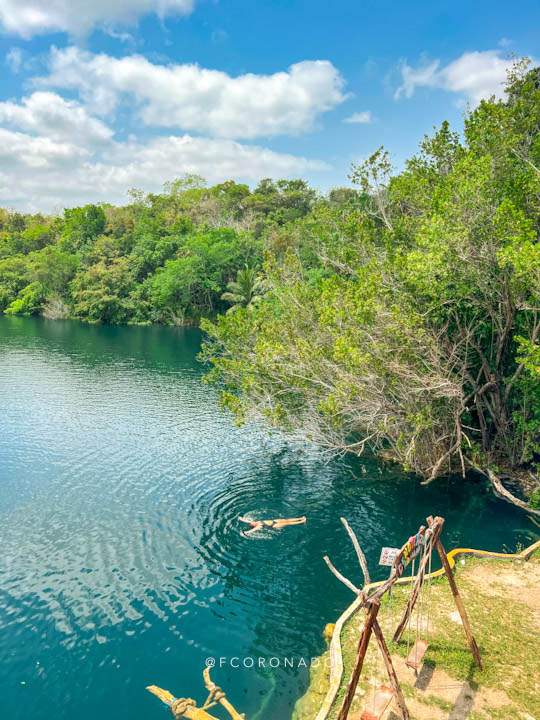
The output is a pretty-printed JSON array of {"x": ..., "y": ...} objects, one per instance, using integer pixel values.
[{"x": 252, "y": 661}]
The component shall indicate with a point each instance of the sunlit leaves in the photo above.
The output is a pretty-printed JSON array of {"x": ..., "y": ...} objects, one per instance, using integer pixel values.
[{"x": 408, "y": 318}]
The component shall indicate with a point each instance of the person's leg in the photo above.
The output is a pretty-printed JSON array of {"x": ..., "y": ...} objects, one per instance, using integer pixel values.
[
  {"x": 291, "y": 521},
  {"x": 278, "y": 524}
]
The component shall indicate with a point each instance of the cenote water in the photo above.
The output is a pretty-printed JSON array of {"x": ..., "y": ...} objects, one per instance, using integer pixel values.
[{"x": 122, "y": 562}]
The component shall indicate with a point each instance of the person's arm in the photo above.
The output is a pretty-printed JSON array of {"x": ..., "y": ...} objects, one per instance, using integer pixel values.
[{"x": 256, "y": 526}]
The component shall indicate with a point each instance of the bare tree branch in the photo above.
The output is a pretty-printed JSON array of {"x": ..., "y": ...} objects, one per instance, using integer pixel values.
[
  {"x": 361, "y": 557},
  {"x": 341, "y": 577}
]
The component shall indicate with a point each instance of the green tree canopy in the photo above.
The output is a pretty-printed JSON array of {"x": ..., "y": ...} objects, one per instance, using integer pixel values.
[
  {"x": 409, "y": 323},
  {"x": 246, "y": 291}
]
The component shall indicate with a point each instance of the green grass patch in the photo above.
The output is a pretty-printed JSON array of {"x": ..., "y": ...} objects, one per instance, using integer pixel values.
[{"x": 498, "y": 596}]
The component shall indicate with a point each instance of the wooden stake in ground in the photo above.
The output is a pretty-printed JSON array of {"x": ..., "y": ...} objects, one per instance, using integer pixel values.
[
  {"x": 372, "y": 604},
  {"x": 435, "y": 532},
  {"x": 359, "y": 660},
  {"x": 460, "y": 606},
  {"x": 394, "y": 682},
  {"x": 368, "y": 606},
  {"x": 435, "y": 525}
]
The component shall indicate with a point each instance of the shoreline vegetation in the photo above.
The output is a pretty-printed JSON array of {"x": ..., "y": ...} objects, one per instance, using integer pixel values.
[
  {"x": 164, "y": 258},
  {"x": 408, "y": 322},
  {"x": 449, "y": 684},
  {"x": 399, "y": 316}
]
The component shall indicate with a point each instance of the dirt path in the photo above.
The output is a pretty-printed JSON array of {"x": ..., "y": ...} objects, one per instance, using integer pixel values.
[{"x": 503, "y": 601}]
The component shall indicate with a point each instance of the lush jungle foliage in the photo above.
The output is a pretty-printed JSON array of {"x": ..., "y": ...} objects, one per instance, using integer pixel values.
[
  {"x": 401, "y": 315},
  {"x": 167, "y": 257},
  {"x": 406, "y": 317}
]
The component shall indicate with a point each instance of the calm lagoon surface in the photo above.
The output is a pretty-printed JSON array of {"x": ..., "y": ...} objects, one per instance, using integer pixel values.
[{"x": 122, "y": 563}]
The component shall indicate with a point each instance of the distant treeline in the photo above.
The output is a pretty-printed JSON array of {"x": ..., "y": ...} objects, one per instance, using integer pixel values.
[{"x": 165, "y": 258}]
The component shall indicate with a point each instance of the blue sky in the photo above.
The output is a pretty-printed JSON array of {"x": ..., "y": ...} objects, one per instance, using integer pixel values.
[{"x": 99, "y": 97}]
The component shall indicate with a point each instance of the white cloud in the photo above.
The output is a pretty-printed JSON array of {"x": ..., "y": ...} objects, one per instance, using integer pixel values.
[
  {"x": 474, "y": 75},
  {"x": 78, "y": 17},
  {"x": 424, "y": 75},
  {"x": 56, "y": 152},
  {"x": 216, "y": 160},
  {"x": 360, "y": 117},
  {"x": 39, "y": 173},
  {"x": 53, "y": 117},
  {"x": 14, "y": 59},
  {"x": 201, "y": 100},
  {"x": 26, "y": 153}
]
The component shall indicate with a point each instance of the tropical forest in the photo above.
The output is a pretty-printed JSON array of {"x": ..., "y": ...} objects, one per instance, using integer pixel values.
[
  {"x": 399, "y": 315},
  {"x": 269, "y": 360}
]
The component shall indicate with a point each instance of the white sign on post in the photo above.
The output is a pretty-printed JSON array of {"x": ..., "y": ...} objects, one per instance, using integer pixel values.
[{"x": 388, "y": 555}]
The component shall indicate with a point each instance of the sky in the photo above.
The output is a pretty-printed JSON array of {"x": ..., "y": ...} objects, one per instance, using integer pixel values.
[{"x": 103, "y": 96}]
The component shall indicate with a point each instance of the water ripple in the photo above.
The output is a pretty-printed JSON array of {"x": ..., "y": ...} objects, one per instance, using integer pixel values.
[{"x": 123, "y": 561}]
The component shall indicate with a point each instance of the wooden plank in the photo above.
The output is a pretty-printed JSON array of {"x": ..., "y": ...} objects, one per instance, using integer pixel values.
[
  {"x": 416, "y": 656},
  {"x": 396, "y": 687},
  {"x": 359, "y": 660},
  {"x": 383, "y": 698},
  {"x": 460, "y": 606}
]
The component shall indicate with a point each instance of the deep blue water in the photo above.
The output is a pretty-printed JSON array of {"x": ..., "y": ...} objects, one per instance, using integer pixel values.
[{"x": 122, "y": 562}]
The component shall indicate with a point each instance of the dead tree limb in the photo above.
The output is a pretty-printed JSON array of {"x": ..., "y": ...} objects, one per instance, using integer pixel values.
[
  {"x": 361, "y": 557},
  {"x": 341, "y": 577},
  {"x": 505, "y": 494}
]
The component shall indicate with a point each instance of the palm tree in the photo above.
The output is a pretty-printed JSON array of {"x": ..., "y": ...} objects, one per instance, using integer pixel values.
[{"x": 246, "y": 290}]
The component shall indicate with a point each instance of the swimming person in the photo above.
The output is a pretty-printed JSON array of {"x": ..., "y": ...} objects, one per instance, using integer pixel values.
[{"x": 276, "y": 524}]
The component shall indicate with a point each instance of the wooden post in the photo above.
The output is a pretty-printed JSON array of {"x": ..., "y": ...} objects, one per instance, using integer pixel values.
[
  {"x": 460, "y": 606},
  {"x": 341, "y": 577},
  {"x": 359, "y": 660},
  {"x": 360, "y": 555},
  {"x": 436, "y": 531},
  {"x": 394, "y": 682}
]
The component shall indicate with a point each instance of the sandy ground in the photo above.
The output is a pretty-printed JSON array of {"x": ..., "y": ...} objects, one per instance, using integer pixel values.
[{"x": 519, "y": 584}]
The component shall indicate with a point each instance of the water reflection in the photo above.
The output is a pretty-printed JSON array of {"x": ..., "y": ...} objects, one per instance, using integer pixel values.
[{"x": 123, "y": 562}]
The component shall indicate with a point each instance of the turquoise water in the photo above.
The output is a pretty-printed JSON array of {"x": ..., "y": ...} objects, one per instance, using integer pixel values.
[{"x": 122, "y": 563}]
